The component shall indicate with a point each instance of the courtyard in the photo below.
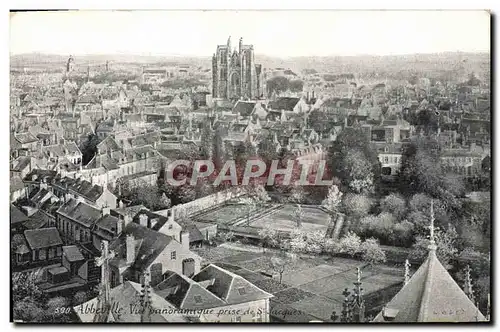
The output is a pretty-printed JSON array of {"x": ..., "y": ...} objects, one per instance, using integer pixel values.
[
  {"x": 277, "y": 216},
  {"x": 311, "y": 287}
]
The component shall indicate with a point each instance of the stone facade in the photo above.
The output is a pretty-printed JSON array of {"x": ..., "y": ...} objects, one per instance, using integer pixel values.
[{"x": 235, "y": 74}]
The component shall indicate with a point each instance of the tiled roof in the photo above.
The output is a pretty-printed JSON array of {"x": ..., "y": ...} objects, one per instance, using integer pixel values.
[{"x": 43, "y": 238}]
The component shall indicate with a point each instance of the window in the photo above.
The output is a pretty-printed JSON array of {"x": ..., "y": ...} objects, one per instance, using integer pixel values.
[
  {"x": 173, "y": 255},
  {"x": 197, "y": 299},
  {"x": 242, "y": 291},
  {"x": 238, "y": 319},
  {"x": 386, "y": 160},
  {"x": 170, "y": 226}
]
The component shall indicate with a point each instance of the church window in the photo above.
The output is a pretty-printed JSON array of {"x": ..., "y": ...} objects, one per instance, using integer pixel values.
[{"x": 173, "y": 255}]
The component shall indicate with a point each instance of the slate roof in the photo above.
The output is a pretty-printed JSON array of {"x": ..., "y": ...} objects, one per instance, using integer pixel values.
[
  {"x": 17, "y": 216},
  {"x": 431, "y": 295},
  {"x": 244, "y": 108},
  {"x": 284, "y": 103},
  {"x": 80, "y": 212},
  {"x": 16, "y": 183},
  {"x": 24, "y": 138},
  {"x": 37, "y": 220},
  {"x": 153, "y": 243},
  {"x": 37, "y": 175},
  {"x": 185, "y": 293},
  {"x": 72, "y": 253},
  {"x": 127, "y": 294},
  {"x": 20, "y": 163},
  {"x": 229, "y": 287},
  {"x": 43, "y": 238}
]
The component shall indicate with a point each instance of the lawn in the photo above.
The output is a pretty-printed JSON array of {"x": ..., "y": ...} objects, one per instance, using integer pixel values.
[
  {"x": 282, "y": 219},
  {"x": 223, "y": 215},
  {"x": 311, "y": 287}
]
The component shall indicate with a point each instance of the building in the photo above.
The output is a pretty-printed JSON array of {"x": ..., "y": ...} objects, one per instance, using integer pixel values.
[
  {"x": 217, "y": 289},
  {"x": 235, "y": 74},
  {"x": 139, "y": 249},
  {"x": 430, "y": 296}
]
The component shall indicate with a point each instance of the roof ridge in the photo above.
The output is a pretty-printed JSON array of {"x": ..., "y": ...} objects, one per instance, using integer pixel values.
[{"x": 424, "y": 301}]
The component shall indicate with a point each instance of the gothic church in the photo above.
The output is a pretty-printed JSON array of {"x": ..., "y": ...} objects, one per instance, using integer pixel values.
[{"x": 235, "y": 75}]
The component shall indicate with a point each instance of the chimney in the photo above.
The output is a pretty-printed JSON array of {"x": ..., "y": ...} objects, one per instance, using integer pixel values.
[
  {"x": 105, "y": 210},
  {"x": 143, "y": 220},
  {"x": 120, "y": 204},
  {"x": 119, "y": 226},
  {"x": 130, "y": 249},
  {"x": 185, "y": 239},
  {"x": 127, "y": 219}
]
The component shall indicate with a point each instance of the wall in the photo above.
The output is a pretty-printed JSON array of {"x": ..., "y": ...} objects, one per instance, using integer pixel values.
[
  {"x": 206, "y": 202},
  {"x": 175, "y": 265}
]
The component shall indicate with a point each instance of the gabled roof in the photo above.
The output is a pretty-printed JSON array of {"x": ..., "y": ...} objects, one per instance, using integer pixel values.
[
  {"x": 16, "y": 215},
  {"x": 72, "y": 253},
  {"x": 43, "y": 238},
  {"x": 79, "y": 211},
  {"x": 431, "y": 295},
  {"x": 153, "y": 244},
  {"x": 244, "y": 108},
  {"x": 284, "y": 103},
  {"x": 229, "y": 287},
  {"x": 185, "y": 293},
  {"x": 126, "y": 296}
]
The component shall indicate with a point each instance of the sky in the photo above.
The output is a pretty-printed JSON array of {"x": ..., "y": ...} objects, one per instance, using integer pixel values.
[{"x": 273, "y": 33}]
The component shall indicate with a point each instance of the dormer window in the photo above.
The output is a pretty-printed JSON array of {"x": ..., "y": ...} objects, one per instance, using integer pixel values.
[
  {"x": 242, "y": 291},
  {"x": 197, "y": 299}
]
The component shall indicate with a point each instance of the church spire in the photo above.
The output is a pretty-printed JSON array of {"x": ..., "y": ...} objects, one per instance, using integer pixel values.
[
  {"x": 407, "y": 271},
  {"x": 145, "y": 297},
  {"x": 432, "y": 245},
  {"x": 468, "y": 284}
]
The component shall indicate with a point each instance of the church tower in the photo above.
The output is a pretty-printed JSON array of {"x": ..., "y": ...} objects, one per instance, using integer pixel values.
[{"x": 234, "y": 73}]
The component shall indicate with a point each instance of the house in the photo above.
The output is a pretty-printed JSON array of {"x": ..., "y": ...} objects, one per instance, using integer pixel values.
[
  {"x": 17, "y": 188},
  {"x": 83, "y": 190},
  {"x": 17, "y": 219},
  {"x": 21, "y": 166},
  {"x": 218, "y": 289},
  {"x": 125, "y": 306},
  {"x": 76, "y": 220},
  {"x": 289, "y": 104},
  {"x": 139, "y": 249},
  {"x": 44, "y": 245}
]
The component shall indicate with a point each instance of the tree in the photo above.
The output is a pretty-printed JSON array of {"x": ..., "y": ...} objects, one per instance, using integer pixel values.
[
  {"x": 79, "y": 298},
  {"x": 395, "y": 204},
  {"x": 371, "y": 252},
  {"x": 278, "y": 265},
  {"x": 359, "y": 173},
  {"x": 89, "y": 148},
  {"x": 296, "y": 85},
  {"x": 297, "y": 241},
  {"x": 333, "y": 200},
  {"x": 298, "y": 214},
  {"x": 206, "y": 141},
  {"x": 297, "y": 195},
  {"x": 350, "y": 244},
  {"x": 356, "y": 205},
  {"x": 165, "y": 202},
  {"x": 185, "y": 194},
  {"x": 277, "y": 84},
  {"x": 351, "y": 144},
  {"x": 269, "y": 236},
  {"x": 445, "y": 242},
  {"x": 228, "y": 236}
]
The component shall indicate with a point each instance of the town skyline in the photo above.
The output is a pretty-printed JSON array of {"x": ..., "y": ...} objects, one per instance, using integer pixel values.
[{"x": 129, "y": 33}]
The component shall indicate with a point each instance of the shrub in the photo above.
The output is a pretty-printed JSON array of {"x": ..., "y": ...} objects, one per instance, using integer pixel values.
[
  {"x": 394, "y": 204},
  {"x": 350, "y": 244},
  {"x": 371, "y": 252},
  {"x": 357, "y": 205}
]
